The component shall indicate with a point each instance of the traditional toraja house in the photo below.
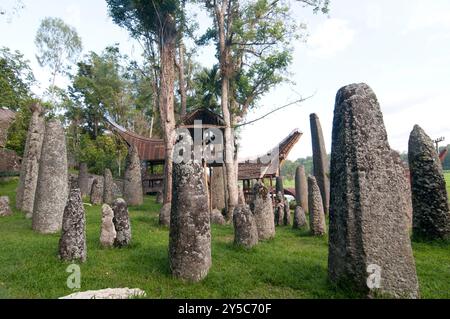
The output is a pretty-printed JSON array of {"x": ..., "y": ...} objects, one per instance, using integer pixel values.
[
  {"x": 266, "y": 168},
  {"x": 151, "y": 152}
]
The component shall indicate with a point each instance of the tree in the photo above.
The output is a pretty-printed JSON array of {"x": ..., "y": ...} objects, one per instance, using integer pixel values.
[
  {"x": 154, "y": 23},
  {"x": 58, "y": 46}
]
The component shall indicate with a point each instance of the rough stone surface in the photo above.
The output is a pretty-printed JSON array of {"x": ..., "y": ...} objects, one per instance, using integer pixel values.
[
  {"x": 241, "y": 196},
  {"x": 279, "y": 209},
  {"x": 108, "y": 232},
  {"x": 404, "y": 187},
  {"x": 245, "y": 230},
  {"x": 263, "y": 212},
  {"x": 217, "y": 217},
  {"x": 108, "y": 184},
  {"x": 431, "y": 216},
  {"x": 96, "y": 193},
  {"x": 83, "y": 179},
  {"x": 279, "y": 185},
  {"x": 72, "y": 244},
  {"x": 190, "y": 229},
  {"x": 26, "y": 190},
  {"x": 159, "y": 197},
  {"x": 122, "y": 224},
  {"x": 301, "y": 188},
  {"x": 316, "y": 213},
  {"x": 52, "y": 187},
  {"x": 5, "y": 210},
  {"x": 320, "y": 161},
  {"x": 132, "y": 188},
  {"x": 110, "y": 293},
  {"x": 164, "y": 215},
  {"x": 217, "y": 189},
  {"x": 299, "y": 218},
  {"x": 287, "y": 214},
  {"x": 368, "y": 224}
]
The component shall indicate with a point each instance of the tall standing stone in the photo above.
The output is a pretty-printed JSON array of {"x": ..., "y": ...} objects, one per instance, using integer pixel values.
[
  {"x": 431, "y": 213},
  {"x": 132, "y": 188},
  {"x": 122, "y": 224},
  {"x": 96, "y": 193},
  {"x": 404, "y": 187},
  {"x": 316, "y": 212},
  {"x": 369, "y": 236},
  {"x": 52, "y": 187},
  {"x": 72, "y": 244},
  {"x": 263, "y": 212},
  {"x": 301, "y": 188},
  {"x": 83, "y": 179},
  {"x": 217, "y": 189},
  {"x": 245, "y": 230},
  {"x": 108, "y": 232},
  {"x": 108, "y": 186},
  {"x": 190, "y": 229},
  {"x": 26, "y": 190},
  {"x": 320, "y": 160}
]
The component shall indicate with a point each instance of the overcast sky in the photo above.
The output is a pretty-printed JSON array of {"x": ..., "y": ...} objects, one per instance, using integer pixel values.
[{"x": 400, "y": 48}]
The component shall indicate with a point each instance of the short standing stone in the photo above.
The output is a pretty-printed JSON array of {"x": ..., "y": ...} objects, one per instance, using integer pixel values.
[
  {"x": 122, "y": 224},
  {"x": 320, "y": 160},
  {"x": 301, "y": 188},
  {"x": 5, "y": 210},
  {"x": 108, "y": 186},
  {"x": 52, "y": 188},
  {"x": 279, "y": 209},
  {"x": 132, "y": 187},
  {"x": 108, "y": 232},
  {"x": 316, "y": 212},
  {"x": 83, "y": 179},
  {"x": 368, "y": 224},
  {"x": 72, "y": 244},
  {"x": 431, "y": 213},
  {"x": 245, "y": 230},
  {"x": 287, "y": 214},
  {"x": 96, "y": 193},
  {"x": 190, "y": 229},
  {"x": 217, "y": 189},
  {"x": 159, "y": 197},
  {"x": 29, "y": 172},
  {"x": 217, "y": 217},
  {"x": 164, "y": 215},
  {"x": 299, "y": 218},
  {"x": 263, "y": 212}
]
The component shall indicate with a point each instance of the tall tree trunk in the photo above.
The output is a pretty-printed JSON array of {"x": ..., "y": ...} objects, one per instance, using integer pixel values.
[
  {"x": 225, "y": 68},
  {"x": 182, "y": 80},
  {"x": 166, "y": 100}
]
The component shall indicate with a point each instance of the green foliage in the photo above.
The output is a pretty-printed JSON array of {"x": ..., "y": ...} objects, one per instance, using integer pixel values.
[
  {"x": 447, "y": 181},
  {"x": 293, "y": 265},
  {"x": 289, "y": 167}
]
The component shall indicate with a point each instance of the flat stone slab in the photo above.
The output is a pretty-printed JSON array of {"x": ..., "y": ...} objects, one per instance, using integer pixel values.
[{"x": 109, "y": 293}]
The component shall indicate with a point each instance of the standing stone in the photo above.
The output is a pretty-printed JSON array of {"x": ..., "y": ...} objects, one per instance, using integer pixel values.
[
  {"x": 320, "y": 160},
  {"x": 368, "y": 224},
  {"x": 108, "y": 232},
  {"x": 241, "y": 196},
  {"x": 96, "y": 193},
  {"x": 404, "y": 187},
  {"x": 52, "y": 188},
  {"x": 217, "y": 217},
  {"x": 245, "y": 230},
  {"x": 299, "y": 218},
  {"x": 159, "y": 197},
  {"x": 72, "y": 244},
  {"x": 316, "y": 212},
  {"x": 83, "y": 179},
  {"x": 431, "y": 213},
  {"x": 190, "y": 230},
  {"x": 279, "y": 209},
  {"x": 108, "y": 184},
  {"x": 132, "y": 188},
  {"x": 301, "y": 188},
  {"x": 29, "y": 172},
  {"x": 263, "y": 212},
  {"x": 164, "y": 215},
  {"x": 217, "y": 189},
  {"x": 122, "y": 224},
  {"x": 279, "y": 185},
  {"x": 287, "y": 214},
  {"x": 5, "y": 210}
]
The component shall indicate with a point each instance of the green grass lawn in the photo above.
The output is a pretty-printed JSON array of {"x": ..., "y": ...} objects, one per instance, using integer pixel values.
[
  {"x": 447, "y": 180},
  {"x": 294, "y": 265}
]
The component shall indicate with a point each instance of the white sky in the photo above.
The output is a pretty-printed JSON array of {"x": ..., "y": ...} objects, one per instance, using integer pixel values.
[{"x": 400, "y": 48}]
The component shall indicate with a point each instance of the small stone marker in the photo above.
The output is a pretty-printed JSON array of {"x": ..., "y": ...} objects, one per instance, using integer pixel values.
[
  {"x": 5, "y": 210},
  {"x": 159, "y": 197},
  {"x": 299, "y": 218},
  {"x": 279, "y": 209},
  {"x": 108, "y": 232},
  {"x": 217, "y": 217},
  {"x": 316, "y": 213},
  {"x": 116, "y": 293},
  {"x": 122, "y": 224},
  {"x": 263, "y": 212},
  {"x": 96, "y": 193},
  {"x": 245, "y": 230}
]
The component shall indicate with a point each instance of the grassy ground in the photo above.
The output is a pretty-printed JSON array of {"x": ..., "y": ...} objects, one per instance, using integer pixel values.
[
  {"x": 294, "y": 265},
  {"x": 447, "y": 180}
]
